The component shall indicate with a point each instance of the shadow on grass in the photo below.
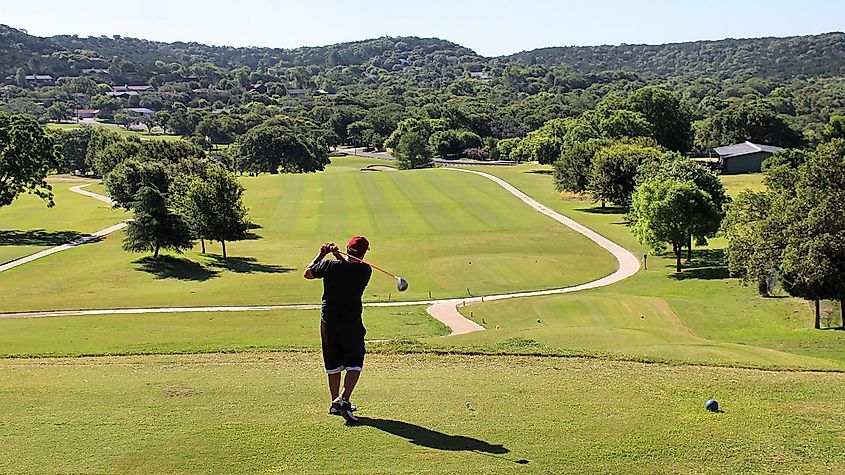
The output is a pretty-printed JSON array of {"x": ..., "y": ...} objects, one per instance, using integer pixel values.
[
  {"x": 605, "y": 210},
  {"x": 245, "y": 265},
  {"x": 430, "y": 438},
  {"x": 707, "y": 264},
  {"x": 37, "y": 237},
  {"x": 170, "y": 267},
  {"x": 541, "y": 172}
]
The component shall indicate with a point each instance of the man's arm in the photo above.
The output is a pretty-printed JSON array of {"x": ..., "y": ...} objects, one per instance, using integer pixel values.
[{"x": 324, "y": 250}]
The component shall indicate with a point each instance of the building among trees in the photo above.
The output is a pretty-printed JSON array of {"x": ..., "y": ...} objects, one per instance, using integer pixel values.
[{"x": 744, "y": 157}]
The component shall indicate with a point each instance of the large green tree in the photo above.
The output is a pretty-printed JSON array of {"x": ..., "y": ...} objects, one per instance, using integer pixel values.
[
  {"x": 675, "y": 167},
  {"x": 213, "y": 207},
  {"x": 273, "y": 148},
  {"x": 668, "y": 212},
  {"x": 27, "y": 154},
  {"x": 155, "y": 226},
  {"x": 668, "y": 116},
  {"x": 613, "y": 171}
]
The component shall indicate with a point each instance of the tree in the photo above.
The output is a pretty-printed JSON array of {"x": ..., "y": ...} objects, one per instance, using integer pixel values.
[
  {"x": 813, "y": 262},
  {"x": 356, "y": 131},
  {"x": 27, "y": 154},
  {"x": 676, "y": 167},
  {"x": 669, "y": 118},
  {"x": 129, "y": 176},
  {"x": 214, "y": 208},
  {"x": 834, "y": 129},
  {"x": 412, "y": 151},
  {"x": 59, "y": 111},
  {"x": 270, "y": 148},
  {"x": 668, "y": 212},
  {"x": 753, "y": 249},
  {"x": 572, "y": 170},
  {"x": 754, "y": 122},
  {"x": 154, "y": 226},
  {"x": 614, "y": 170}
]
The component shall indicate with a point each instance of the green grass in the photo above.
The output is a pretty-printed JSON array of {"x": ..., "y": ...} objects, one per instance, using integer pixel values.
[
  {"x": 737, "y": 183},
  {"x": 447, "y": 233},
  {"x": 265, "y": 413},
  {"x": 123, "y": 131},
  {"x": 196, "y": 332},
  {"x": 28, "y": 226}
]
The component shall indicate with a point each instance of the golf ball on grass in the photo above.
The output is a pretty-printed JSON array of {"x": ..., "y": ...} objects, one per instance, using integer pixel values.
[{"x": 712, "y": 405}]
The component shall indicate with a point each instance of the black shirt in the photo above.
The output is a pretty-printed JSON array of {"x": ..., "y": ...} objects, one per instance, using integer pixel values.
[{"x": 343, "y": 285}]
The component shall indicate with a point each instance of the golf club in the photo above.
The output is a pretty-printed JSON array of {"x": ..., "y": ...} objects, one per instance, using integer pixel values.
[{"x": 401, "y": 283}]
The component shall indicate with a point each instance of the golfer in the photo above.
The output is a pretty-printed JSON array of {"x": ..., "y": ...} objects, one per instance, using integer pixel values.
[{"x": 341, "y": 328}]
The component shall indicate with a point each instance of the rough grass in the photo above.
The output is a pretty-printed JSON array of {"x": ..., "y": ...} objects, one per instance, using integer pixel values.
[
  {"x": 266, "y": 413},
  {"x": 181, "y": 333},
  {"x": 724, "y": 321}
]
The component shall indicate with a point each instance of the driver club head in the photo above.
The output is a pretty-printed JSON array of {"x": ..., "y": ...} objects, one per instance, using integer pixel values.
[{"x": 401, "y": 284}]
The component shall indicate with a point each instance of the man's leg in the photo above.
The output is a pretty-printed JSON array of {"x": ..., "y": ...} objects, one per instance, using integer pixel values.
[
  {"x": 334, "y": 385},
  {"x": 331, "y": 361},
  {"x": 349, "y": 382}
]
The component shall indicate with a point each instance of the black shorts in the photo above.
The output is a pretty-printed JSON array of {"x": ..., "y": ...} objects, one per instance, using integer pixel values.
[{"x": 343, "y": 347}]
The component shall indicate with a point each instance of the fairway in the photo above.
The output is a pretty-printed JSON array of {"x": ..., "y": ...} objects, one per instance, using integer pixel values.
[
  {"x": 449, "y": 234},
  {"x": 266, "y": 413}
]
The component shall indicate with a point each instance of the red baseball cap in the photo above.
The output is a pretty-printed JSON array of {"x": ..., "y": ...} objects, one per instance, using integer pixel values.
[{"x": 359, "y": 244}]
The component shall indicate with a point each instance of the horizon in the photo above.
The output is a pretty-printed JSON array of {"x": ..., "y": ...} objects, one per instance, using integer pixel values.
[
  {"x": 659, "y": 23},
  {"x": 423, "y": 38}
]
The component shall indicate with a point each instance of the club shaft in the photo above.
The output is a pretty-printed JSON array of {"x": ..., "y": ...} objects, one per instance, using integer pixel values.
[{"x": 365, "y": 262}]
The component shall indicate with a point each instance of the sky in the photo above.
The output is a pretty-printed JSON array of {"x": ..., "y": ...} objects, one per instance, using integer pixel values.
[{"x": 491, "y": 28}]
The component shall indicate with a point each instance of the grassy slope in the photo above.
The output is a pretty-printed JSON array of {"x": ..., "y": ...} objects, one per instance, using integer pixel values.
[
  {"x": 445, "y": 232},
  {"x": 28, "y": 226},
  {"x": 265, "y": 413},
  {"x": 703, "y": 301},
  {"x": 120, "y": 130}
]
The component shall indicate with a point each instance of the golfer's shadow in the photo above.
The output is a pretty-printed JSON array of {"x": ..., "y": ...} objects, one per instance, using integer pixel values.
[{"x": 431, "y": 438}]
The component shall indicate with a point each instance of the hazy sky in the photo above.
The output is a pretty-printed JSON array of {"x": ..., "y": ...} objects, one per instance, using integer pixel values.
[{"x": 491, "y": 28}]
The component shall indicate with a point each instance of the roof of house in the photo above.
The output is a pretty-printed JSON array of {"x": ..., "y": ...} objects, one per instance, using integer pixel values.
[
  {"x": 120, "y": 93},
  {"x": 140, "y": 110},
  {"x": 87, "y": 111},
  {"x": 39, "y": 77},
  {"x": 745, "y": 148},
  {"x": 127, "y": 87}
]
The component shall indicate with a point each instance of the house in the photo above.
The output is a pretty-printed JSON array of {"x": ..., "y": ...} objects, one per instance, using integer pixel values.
[
  {"x": 482, "y": 76},
  {"x": 139, "y": 111},
  {"x": 33, "y": 79},
  {"x": 86, "y": 113},
  {"x": 297, "y": 92},
  {"x": 744, "y": 157},
  {"x": 128, "y": 88},
  {"x": 122, "y": 93},
  {"x": 95, "y": 71},
  {"x": 258, "y": 87}
]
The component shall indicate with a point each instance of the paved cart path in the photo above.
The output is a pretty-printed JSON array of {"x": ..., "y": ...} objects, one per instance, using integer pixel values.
[
  {"x": 71, "y": 244},
  {"x": 444, "y": 310}
]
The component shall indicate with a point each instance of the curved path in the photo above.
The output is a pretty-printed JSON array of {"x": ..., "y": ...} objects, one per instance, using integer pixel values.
[
  {"x": 444, "y": 310},
  {"x": 76, "y": 242}
]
